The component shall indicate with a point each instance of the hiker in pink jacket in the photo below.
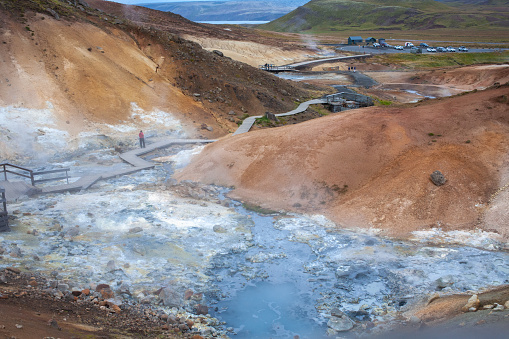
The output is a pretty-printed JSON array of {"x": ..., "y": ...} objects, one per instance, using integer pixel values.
[{"x": 142, "y": 139}]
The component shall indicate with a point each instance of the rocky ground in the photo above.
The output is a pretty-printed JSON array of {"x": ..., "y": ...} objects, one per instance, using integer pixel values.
[{"x": 33, "y": 306}]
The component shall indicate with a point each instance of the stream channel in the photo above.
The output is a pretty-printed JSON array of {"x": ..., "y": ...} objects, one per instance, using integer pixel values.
[{"x": 274, "y": 275}]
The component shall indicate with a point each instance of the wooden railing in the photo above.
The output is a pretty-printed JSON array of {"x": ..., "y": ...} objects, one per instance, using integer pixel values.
[
  {"x": 30, "y": 174},
  {"x": 4, "y": 218},
  {"x": 274, "y": 68},
  {"x": 60, "y": 170}
]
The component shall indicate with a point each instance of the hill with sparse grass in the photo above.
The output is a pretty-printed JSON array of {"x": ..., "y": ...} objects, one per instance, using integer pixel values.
[{"x": 325, "y": 16}]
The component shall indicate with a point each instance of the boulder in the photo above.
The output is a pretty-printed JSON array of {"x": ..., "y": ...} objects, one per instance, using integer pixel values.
[
  {"x": 339, "y": 321},
  {"x": 170, "y": 297},
  {"x": 201, "y": 309},
  {"x": 472, "y": 303},
  {"x": 188, "y": 294},
  {"x": 498, "y": 307},
  {"x": 219, "y": 229},
  {"x": 437, "y": 178},
  {"x": 218, "y": 53},
  {"x": 136, "y": 229},
  {"x": 271, "y": 116},
  {"x": 105, "y": 290}
]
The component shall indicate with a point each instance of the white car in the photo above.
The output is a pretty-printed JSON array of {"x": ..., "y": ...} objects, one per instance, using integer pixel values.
[
  {"x": 431, "y": 49},
  {"x": 399, "y": 48},
  {"x": 463, "y": 49},
  {"x": 450, "y": 49}
]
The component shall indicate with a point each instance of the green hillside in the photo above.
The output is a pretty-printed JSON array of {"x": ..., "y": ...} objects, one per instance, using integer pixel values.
[{"x": 325, "y": 16}]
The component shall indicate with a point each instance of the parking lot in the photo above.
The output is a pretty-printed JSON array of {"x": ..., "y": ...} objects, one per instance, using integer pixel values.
[{"x": 373, "y": 50}]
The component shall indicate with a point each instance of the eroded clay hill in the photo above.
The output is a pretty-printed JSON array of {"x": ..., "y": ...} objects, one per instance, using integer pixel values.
[
  {"x": 88, "y": 67},
  {"x": 371, "y": 167}
]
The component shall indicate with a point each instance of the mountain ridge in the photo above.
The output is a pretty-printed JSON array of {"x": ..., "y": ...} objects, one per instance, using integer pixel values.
[{"x": 320, "y": 16}]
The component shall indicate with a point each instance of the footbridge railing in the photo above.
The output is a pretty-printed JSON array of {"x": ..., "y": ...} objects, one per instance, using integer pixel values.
[
  {"x": 30, "y": 174},
  {"x": 4, "y": 218},
  {"x": 276, "y": 69}
]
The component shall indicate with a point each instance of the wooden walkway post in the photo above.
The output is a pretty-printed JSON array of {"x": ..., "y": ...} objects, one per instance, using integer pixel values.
[{"x": 4, "y": 218}]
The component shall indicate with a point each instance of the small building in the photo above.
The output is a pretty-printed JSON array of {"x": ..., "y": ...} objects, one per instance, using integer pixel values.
[
  {"x": 381, "y": 41},
  {"x": 370, "y": 40},
  {"x": 354, "y": 40}
]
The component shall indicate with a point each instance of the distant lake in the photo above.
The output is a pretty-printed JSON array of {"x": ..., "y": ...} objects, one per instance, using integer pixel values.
[{"x": 233, "y": 22}]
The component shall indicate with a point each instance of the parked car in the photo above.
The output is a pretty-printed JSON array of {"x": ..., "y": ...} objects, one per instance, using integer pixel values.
[
  {"x": 409, "y": 45},
  {"x": 376, "y": 45},
  {"x": 423, "y": 44},
  {"x": 431, "y": 49},
  {"x": 441, "y": 49},
  {"x": 415, "y": 50},
  {"x": 451, "y": 49},
  {"x": 463, "y": 49},
  {"x": 399, "y": 48}
]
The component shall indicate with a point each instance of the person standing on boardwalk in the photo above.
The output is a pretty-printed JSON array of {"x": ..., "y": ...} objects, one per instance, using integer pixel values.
[{"x": 142, "y": 139}]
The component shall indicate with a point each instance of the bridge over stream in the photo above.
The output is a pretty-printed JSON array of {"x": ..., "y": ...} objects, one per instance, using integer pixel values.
[{"x": 305, "y": 64}]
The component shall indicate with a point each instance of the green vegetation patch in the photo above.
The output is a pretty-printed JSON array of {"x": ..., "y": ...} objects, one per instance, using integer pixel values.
[{"x": 425, "y": 61}]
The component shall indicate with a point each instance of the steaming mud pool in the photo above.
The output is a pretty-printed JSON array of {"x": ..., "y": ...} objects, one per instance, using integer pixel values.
[{"x": 261, "y": 275}]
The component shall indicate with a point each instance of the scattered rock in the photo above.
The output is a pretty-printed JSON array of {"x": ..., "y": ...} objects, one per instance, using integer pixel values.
[
  {"x": 437, "y": 178},
  {"x": 231, "y": 113},
  {"x": 218, "y": 53},
  {"x": 170, "y": 297},
  {"x": 201, "y": 309},
  {"x": 105, "y": 291},
  {"x": 339, "y": 321},
  {"x": 473, "y": 302},
  {"x": 135, "y": 230},
  {"x": 13, "y": 270},
  {"x": 271, "y": 116},
  {"x": 219, "y": 229},
  {"x": 110, "y": 266},
  {"x": 498, "y": 307},
  {"x": 506, "y": 305},
  {"x": 53, "y": 323},
  {"x": 63, "y": 287},
  {"x": 73, "y": 232},
  {"x": 444, "y": 282},
  {"x": 188, "y": 294},
  {"x": 16, "y": 252}
]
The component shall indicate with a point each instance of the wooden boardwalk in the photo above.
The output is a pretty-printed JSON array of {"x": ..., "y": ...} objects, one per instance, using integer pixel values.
[
  {"x": 15, "y": 190},
  {"x": 248, "y": 122},
  {"x": 305, "y": 64},
  {"x": 132, "y": 157}
]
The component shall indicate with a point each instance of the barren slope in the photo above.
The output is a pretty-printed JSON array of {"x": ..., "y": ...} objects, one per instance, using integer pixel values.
[
  {"x": 90, "y": 73},
  {"x": 371, "y": 167}
]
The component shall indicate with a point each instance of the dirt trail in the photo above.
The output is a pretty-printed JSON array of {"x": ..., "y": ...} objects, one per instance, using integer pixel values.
[{"x": 370, "y": 167}]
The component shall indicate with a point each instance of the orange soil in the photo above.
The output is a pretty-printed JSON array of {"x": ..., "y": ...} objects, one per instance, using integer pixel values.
[{"x": 370, "y": 167}]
